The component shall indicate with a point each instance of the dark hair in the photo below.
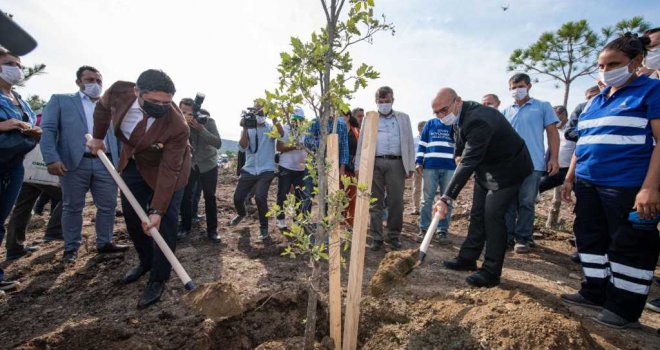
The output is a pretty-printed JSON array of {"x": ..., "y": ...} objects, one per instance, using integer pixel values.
[
  {"x": 186, "y": 101},
  {"x": 593, "y": 88},
  {"x": 204, "y": 112},
  {"x": 358, "y": 109},
  {"x": 518, "y": 77},
  {"x": 155, "y": 80},
  {"x": 354, "y": 122},
  {"x": 651, "y": 31},
  {"x": 80, "y": 71},
  {"x": 630, "y": 44},
  {"x": 561, "y": 109},
  {"x": 347, "y": 112},
  {"x": 384, "y": 91},
  {"x": 493, "y": 96}
]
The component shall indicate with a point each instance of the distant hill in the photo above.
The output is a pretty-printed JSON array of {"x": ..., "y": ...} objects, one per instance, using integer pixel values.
[{"x": 229, "y": 145}]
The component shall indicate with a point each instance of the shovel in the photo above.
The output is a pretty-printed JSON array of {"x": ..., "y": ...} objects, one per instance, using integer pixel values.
[
  {"x": 428, "y": 236},
  {"x": 176, "y": 265}
]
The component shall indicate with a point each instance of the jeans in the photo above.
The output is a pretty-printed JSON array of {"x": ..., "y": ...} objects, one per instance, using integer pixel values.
[
  {"x": 10, "y": 185},
  {"x": 523, "y": 210},
  {"x": 91, "y": 175},
  {"x": 151, "y": 257},
  {"x": 549, "y": 182},
  {"x": 286, "y": 179},
  {"x": 432, "y": 179},
  {"x": 208, "y": 182},
  {"x": 261, "y": 184}
]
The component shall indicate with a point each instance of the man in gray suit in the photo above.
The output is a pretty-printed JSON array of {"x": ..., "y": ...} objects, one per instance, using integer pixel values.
[
  {"x": 65, "y": 121},
  {"x": 395, "y": 162}
]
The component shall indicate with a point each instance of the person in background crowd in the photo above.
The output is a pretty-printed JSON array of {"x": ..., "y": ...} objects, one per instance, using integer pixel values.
[
  {"x": 358, "y": 113},
  {"x": 530, "y": 118},
  {"x": 652, "y": 60},
  {"x": 417, "y": 177},
  {"x": 292, "y": 164},
  {"x": 66, "y": 119},
  {"x": 394, "y": 163},
  {"x": 197, "y": 192},
  {"x": 436, "y": 165},
  {"x": 615, "y": 174},
  {"x": 15, "y": 114},
  {"x": 353, "y": 137},
  {"x": 205, "y": 141},
  {"x": 491, "y": 100},
  {"x": 258, "y": 171},
  {"x": 570, "y": 131},
  {"x": 496, "y": 154},
  {"x": 566, "y": 149},
  {"x": 154, "y": 163}
]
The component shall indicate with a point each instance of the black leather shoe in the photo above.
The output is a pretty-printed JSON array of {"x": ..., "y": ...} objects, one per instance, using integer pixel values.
[
  {"x": 69, "y": 257},
  {"x": 112, "y": 248},
  {"x": 376, "y": 246},
  {"x": 53, "y": 238},
  {"x": 214, "y": 237},
  {"x": 133, "y": 274},
  {"x": 395, "y": 243},
  {"x": 21, "y": 253},
  {"x": 236, "y": 220},
  {"x": 482, "y": 278},
  {"x": 182, "y": 235},
  {"x": 151, "y": 294},
  {"x": 460, "y": 265}
]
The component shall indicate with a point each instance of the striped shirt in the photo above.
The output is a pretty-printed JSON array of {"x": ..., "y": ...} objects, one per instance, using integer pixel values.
[
  {"x": 436, "y": 146},
  {"x": 616, "y": 140}
]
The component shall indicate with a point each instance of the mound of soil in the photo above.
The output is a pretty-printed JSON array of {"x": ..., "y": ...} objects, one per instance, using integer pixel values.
[
  {"x": 215, "y": 300},
  {"x": 394, "y": 266}
]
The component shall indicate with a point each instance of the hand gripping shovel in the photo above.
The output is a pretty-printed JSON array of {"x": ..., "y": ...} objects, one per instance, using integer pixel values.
[
  {"x": 428, "y": 236},
  {"x": 176, "y": 265}
]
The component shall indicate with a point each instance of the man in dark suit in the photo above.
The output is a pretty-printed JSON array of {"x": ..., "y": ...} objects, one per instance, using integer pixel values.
[
  {"x": 492, "y": 150},
  {"x": 154, "y": 162}
]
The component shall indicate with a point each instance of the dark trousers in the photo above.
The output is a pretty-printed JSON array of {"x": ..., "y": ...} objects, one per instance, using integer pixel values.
[
  {"x": 208, "y": 182},
  {"x": 549, "y": 182},
  {"x": 22, "y": 213},
  {"x": 260, "y": 183},
  {"x": 43, "y": 200},
  {"x": 389, "y": 179},
  {"x": 286, "y": 179},
  {"x": 10, "y": 185},
  {"x": 488, "y": 226},
  {"x": 618, "y": 260},
  {"x": 151, "y": 257}
]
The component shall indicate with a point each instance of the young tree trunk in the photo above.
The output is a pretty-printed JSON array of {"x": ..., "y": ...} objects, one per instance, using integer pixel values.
[
  {"x": 553, "y": 213},
  {"x": 312, "y": 301}
]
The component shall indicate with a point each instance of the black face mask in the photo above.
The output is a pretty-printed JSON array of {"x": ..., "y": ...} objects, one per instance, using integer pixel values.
[{"x": 154, "y": 109}]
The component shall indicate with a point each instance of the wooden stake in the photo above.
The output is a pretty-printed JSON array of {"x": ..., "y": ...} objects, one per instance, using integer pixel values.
[
  {"x": 334, "y": 247},
  {"x": 361, "y": 223}
]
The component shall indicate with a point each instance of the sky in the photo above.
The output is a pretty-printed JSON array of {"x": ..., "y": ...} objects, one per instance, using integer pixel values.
[{"x": 230, "y": 50}]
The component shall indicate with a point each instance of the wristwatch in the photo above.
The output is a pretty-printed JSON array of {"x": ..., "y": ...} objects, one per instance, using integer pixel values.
[
  {"x": 447, "y": 200},
  {"x": 154, "y": 211}
]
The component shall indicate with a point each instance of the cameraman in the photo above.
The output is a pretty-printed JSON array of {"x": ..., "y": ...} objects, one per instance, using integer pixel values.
[
  {"x": 205, "y": 141},
  {"x": 259, "y": 168}
]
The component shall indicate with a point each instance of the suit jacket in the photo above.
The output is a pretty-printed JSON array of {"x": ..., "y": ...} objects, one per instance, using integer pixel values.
[
  {"x": 64, "y": 126},
  {"x": 166, "y": 168},
  {"x": 407, "y": 143},
  {"x": 490, "y": 148}
]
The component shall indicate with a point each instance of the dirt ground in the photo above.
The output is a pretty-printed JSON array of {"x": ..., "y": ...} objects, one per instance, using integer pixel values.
[{"x": 85, "y": 307}]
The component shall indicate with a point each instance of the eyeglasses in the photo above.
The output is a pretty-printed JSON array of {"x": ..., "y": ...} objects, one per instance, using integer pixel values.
[{"x": 444, "y": 110}]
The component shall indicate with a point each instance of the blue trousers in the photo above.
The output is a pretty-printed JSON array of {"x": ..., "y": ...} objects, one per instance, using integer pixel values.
[
  {"x": 520, "y": 215},
  {"x": 10, "y": 185},
  {"x": 432, "y": 179}
]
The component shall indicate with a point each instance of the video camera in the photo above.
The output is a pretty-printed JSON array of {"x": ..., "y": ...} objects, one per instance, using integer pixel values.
[
  {"x": 197, "y": 105},
  {"x": 249, "y": 117}
]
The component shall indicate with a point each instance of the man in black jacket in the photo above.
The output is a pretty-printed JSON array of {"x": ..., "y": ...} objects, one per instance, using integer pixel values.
[
  {"x": 492, "y": 150},
  {"x": 571, "y": 132}
]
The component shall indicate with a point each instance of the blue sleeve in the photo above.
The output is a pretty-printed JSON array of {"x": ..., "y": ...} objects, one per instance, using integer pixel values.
[
  {"x": 343, "y": 144},
  {"x": 311, "y": 139},
  {"x": 549, "y": 116},
  {"x": 50, "y": 120}
]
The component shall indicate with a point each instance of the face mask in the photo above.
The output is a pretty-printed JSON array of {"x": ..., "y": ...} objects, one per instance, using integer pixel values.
[
  {"x": 92, "y": 90},
  {"x": 615, "y": 77},
  {"x": 519, "y": 94},
  {"x": 261, "y": 120},
  {"x": 12, "y": 75},
  {"x": 652, "y": 59},
  {"x": 154, "y": 109},
  {"x": 449, "y": 119},
  {"x": 384, "y": 108}
]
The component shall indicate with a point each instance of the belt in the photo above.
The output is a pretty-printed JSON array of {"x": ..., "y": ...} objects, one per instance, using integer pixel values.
[
  {"x": 389, "y": 157},
  {"x": 89, "y": 155}
]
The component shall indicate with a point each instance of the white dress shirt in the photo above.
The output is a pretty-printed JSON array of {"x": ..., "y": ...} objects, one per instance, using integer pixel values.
[{"x": 132, "y": 118}]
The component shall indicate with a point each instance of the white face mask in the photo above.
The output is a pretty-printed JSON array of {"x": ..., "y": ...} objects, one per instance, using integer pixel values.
[
  {"x": 261, "y": 120},
  {"x": 384, "y": 108},
  {"x": 652, "y": 59},
  {"x": 615, "y": 77},
  {"x": 12, "y": 75},
  {"x": 519, "y": 94},
  {"x": 449, "y": 119},
  {"x": 92, "y": 90}
]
